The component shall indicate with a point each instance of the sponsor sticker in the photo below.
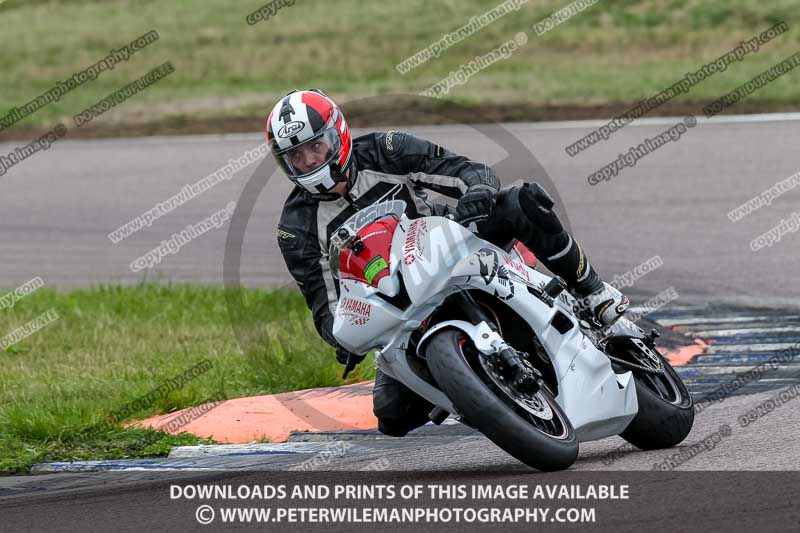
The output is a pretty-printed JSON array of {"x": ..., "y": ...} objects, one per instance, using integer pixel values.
[
  {"x": 375, "y": 267},
  {"x": 290, "y": 129}
]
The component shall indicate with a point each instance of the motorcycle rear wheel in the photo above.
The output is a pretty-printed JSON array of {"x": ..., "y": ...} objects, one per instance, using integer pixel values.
[{"x": 666, "y": 409}]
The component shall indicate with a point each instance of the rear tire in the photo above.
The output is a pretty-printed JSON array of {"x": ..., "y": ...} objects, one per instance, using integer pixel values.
[
  {"x": 663, "y": 421},
  {"x": 491, "y": 411}
]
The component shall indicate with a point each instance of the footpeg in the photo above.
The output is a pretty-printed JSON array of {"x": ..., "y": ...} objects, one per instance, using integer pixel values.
[{"x": 650, "y": 340}]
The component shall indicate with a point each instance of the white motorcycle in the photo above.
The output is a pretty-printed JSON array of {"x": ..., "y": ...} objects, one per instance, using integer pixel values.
[{"x": 488, "y": 339}]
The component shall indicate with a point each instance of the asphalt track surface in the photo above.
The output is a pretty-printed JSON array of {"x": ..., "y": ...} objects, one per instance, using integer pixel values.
[
  {"x": 57, "y": 208},
  {"x": 694, "y": 497}
]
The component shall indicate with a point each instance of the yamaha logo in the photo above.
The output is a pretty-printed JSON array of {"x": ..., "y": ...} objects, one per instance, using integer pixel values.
[{"x": 290, "y": 129}]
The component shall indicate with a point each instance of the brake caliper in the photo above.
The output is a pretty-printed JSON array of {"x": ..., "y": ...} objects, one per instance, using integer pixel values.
[{"x": 525, "y": 378}]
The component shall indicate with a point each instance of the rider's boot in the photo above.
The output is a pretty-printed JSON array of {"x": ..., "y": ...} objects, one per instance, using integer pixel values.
[
  {"x": 605, "y": 305},
  {"x": 561, "y": 254}
]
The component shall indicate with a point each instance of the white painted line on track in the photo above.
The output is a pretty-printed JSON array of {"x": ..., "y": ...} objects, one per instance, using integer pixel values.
[
  {"x": 49, "y": 468},
  {"x": 258, "y": 137},
  {"x": 745, "y": 331},
  {"x": 657, "y": 121},
  {"x": 209, "y": 450},
  {"x": 690, "y": 321},
  {"x": 750, "y": 348}
]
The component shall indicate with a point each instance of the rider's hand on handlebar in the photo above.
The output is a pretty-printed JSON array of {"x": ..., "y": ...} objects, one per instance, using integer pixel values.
[{"x": 475, "y": 205}]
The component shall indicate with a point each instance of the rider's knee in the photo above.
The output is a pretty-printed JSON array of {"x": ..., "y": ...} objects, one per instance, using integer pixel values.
[
  {"x": 391, "y": 411},
  {"x": 397, "y": 409},
  {"x": 384, "y": 406},
  {"x": 393, "y": 428},
  {"x": 387, "y": 397},
  {"x": 537, "y": 205}
]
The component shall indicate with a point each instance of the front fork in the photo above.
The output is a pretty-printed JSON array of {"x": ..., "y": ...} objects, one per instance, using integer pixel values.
[{"x": 525, "y": 378}]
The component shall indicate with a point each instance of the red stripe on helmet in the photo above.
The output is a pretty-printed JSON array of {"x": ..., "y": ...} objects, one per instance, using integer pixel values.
[
  {"x": 319, "y": 103},
  {"x": 270, "y": 135},
  {"x": 344, "y": 153}
]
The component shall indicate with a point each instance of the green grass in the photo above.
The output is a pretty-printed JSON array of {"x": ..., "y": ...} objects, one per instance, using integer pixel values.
[
  {"x": 114, "y": 344},
  {"x": 615, "y": 51}
]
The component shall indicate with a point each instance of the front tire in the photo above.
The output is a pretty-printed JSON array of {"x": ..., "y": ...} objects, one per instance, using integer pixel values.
[{"x": 454, "y": 363}]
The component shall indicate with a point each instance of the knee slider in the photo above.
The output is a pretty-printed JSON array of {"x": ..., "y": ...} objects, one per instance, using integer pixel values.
[
  {"x": 537, "y": 205},
  {"x": 392, "y": 430}
]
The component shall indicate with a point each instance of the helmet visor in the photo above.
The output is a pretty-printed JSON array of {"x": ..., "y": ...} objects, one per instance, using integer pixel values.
[{"x": 306, "y": 158}]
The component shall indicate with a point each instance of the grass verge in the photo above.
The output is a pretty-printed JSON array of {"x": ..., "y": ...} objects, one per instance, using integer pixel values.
[
  {"x": 113, "y": 345},
  {"x": 615, "y": 52}
]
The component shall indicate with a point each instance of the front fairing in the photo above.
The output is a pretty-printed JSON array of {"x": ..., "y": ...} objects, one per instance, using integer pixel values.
[{"x": 430, "y": 247}]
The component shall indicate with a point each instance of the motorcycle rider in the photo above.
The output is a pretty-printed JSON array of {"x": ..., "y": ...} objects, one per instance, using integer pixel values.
[{"x": 335, "y": 175}]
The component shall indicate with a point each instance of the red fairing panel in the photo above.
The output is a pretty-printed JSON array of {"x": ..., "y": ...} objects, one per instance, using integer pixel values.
[
  {"x": 526, "y": 255},
  {"x": 372, "y": 264}
]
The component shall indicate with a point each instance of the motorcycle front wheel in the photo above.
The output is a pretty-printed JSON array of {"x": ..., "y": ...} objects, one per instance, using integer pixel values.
[{"x": 531, "y": 428}]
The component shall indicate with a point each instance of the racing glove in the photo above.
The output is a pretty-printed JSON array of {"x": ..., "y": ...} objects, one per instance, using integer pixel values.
[
  {"x": 476, "y": 204},
  {"x": 342, "y": 356},
  {"x": 348, "y": 359}
]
